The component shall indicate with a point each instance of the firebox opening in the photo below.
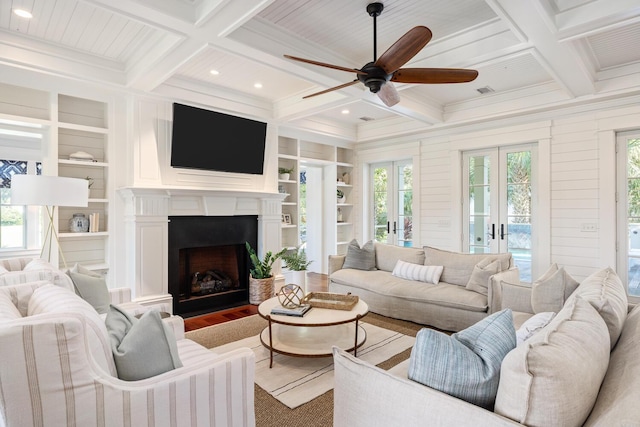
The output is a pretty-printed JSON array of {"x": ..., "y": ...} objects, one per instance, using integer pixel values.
[{"x": 209, "y": 263}]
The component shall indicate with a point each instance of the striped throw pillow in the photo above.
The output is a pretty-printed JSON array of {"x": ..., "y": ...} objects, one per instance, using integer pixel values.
[
  {"x": 466, "y": 364},
  {"x": 422, "y": 273}
]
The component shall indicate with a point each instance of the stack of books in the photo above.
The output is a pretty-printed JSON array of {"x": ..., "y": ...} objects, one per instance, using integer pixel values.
[{"x": 297, "y": 311}]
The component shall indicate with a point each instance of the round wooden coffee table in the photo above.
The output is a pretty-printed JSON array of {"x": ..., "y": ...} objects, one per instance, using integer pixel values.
[{"x": 315, "y": 333}]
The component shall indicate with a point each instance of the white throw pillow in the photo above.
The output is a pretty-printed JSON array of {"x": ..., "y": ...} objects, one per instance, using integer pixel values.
[
  {"x": 532, "y": 325},
  {"x": 38, "y": 264},
  {"x": 422, "y": 273}
]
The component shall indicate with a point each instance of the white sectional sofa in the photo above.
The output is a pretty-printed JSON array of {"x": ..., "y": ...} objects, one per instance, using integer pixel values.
[
  {"x": 582, "y": 368},
  {"x": 449, "y": 305}
]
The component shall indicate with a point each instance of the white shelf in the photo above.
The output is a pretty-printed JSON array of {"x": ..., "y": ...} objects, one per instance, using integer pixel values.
[
  {"x": 82, "y": 163},
  {"x": 289, "y": 204},
  {"x": 98, "y": 200},
  {"x": 73, "y": 126},
  {"x": 288, "y": 225},
  {"x": 286, "y": 181},
  {"x": 340, "y": 224},
  {"x": 82, "y": 235}
]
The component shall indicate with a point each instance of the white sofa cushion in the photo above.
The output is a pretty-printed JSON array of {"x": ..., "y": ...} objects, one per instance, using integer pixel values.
[
  {"x": 421, "y": 273},
  {"x": 466, "y": 364},
  {"x": 459, "y": 266},
  {"x": 387, "y": 256},
  {"x": 556, "y": 374},
  {"x": 533, "y": 325},
  {"x": 384, "y": 283},
  {"x": 8, "y": 310},
  {"x": 617, "y": 403},
  {"x": 54, "y": 299},
  {"x": 549, "y": 292},
  {"x": 606, "y": 293}
]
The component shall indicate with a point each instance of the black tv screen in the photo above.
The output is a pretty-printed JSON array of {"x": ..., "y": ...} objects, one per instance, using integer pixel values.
[{"x": 208, "y": 140}]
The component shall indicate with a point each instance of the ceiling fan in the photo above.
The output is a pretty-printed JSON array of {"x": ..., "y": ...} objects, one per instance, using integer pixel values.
[{"x": 378, "y": 74}]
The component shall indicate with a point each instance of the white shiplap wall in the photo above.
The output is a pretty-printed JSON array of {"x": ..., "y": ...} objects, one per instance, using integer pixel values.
[{"x": 575, "y": 191}]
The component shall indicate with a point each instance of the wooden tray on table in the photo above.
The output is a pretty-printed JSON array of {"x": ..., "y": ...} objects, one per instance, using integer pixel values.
[{"x": 330, "y": 300}]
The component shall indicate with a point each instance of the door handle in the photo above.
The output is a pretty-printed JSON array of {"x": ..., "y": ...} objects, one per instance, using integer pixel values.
[
  {"x": 502, "y": 233},
  {"x": 492, "y": 234},
  {"x": 394, "y": 227},
  {"x": 387, "y": 227}
]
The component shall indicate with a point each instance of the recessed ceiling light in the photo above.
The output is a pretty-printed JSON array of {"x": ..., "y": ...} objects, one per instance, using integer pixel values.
[
  {"x": 345, "y": 111},
  {"x": 214, "y": 72},
  {"x": 258, "y": 85},
  {"x": 23, "y": 13}
]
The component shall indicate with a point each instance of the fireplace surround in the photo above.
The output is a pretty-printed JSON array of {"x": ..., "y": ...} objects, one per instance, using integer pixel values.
[{"x": 145, "y": 235}]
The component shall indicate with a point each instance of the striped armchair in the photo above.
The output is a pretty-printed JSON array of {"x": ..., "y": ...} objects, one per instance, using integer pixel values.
[{"x": 58, "y": 370}]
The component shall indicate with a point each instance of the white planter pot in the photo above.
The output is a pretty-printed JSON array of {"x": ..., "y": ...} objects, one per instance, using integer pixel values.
[
  {"x": 341, "y": 200},
  {"x": 284, "y": 176},
  {"x": 297, "y": 278}
]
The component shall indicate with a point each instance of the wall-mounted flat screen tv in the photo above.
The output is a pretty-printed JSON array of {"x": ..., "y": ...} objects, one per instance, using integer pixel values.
[{"x": 208, "y": 140}]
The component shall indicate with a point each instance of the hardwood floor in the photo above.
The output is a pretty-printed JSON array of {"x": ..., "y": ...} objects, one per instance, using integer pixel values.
[{"x": 316, "y": 282}]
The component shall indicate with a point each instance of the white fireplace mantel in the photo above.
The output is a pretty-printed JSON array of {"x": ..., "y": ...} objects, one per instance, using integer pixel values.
[{"x": 147, "y": 212}]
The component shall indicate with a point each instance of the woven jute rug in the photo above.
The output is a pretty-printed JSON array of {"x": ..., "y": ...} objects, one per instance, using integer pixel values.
[{"x": 269, "y": 411}]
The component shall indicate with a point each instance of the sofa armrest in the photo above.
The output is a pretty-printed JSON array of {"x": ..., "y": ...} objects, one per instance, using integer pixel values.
[
  {"x": 335, "y": 263},
  {"x": 516, "y": 297},
  {"x": 494, "y": 296},
  {"x": 367, "y": 396}
]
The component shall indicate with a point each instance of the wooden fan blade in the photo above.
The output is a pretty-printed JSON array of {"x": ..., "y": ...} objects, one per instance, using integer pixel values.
[
  {"x": 389, "y": 94},
  {"x": 322, "y": 64},
  {"x": 405, "y": 48},
  {"x": 331, "y": 89},
  {"x": 434, "y": 75}
]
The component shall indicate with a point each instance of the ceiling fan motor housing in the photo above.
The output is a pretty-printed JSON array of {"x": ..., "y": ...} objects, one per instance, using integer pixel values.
[{"x": 375, "y": 77}]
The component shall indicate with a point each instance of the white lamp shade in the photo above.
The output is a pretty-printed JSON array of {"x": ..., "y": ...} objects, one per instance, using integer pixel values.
[{"x": 43, "y": 190}]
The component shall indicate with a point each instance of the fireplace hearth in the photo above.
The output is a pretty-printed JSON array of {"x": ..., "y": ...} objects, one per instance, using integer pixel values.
[{"x": 208, "y": 262}]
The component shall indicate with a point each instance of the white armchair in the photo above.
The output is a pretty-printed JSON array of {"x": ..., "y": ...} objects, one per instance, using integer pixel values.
[{"x": 57, "y": 370}]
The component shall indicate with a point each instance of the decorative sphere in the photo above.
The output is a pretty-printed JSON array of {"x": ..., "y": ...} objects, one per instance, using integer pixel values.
[{"x": 290, "y": 296}]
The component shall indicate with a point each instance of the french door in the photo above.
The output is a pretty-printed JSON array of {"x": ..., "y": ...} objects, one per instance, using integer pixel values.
[
  {"x": 498, "y": 203},
  {"x": 393, "y": 202}
]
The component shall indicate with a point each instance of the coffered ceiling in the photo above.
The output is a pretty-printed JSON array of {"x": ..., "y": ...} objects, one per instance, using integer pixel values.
[{"x": 532, "y": 55}]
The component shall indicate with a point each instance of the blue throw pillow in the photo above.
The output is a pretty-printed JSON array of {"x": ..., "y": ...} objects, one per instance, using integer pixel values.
[{"x": 466, "y": 364}]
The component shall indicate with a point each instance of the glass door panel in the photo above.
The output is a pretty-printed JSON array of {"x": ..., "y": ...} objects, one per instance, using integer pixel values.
[{"x": 393, "y": 202}]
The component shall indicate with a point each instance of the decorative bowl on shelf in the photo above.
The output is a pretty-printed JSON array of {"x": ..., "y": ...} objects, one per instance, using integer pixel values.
[{"x": 82, "y": 156}]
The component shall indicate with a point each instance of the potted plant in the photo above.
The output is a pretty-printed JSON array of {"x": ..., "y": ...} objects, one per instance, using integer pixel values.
[
  {"x": 296, "y": 262},
  {"x": 261, "y": 279},
  {"x": 284, "y": 173},
  {"x": 340, "y": 196}
]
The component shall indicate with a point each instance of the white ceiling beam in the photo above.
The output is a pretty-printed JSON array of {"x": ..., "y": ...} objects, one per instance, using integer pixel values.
[{"x": 563, "y": 59}]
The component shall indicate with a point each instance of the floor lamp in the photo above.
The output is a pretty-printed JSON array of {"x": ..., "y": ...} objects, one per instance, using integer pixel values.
[{"x": 51, "y": 192}]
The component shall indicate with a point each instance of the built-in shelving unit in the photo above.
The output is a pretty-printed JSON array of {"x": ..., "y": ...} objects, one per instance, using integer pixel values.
[
  {"x": 83, "y": 125},
  {"x": 337, "y": 222},
  {"x": 68, "y": 124}
]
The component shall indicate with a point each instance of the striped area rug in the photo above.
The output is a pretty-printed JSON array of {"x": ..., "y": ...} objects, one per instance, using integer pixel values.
[{"x": 296, "y": 380}]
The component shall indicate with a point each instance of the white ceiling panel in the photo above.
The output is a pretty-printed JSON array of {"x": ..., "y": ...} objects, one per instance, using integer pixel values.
[
  {"x": 358, "y": 112},
  {"x": 345, "y": 28},
  {"x": 503, "y": 76},
  {"x": 616, "y": 47},
  {"x": 241, "y": 74}
]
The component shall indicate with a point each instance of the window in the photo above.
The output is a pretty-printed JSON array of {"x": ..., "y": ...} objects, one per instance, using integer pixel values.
[
  {"x": 628, "y": 150},
  {"x": 18, "y": 224}
]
